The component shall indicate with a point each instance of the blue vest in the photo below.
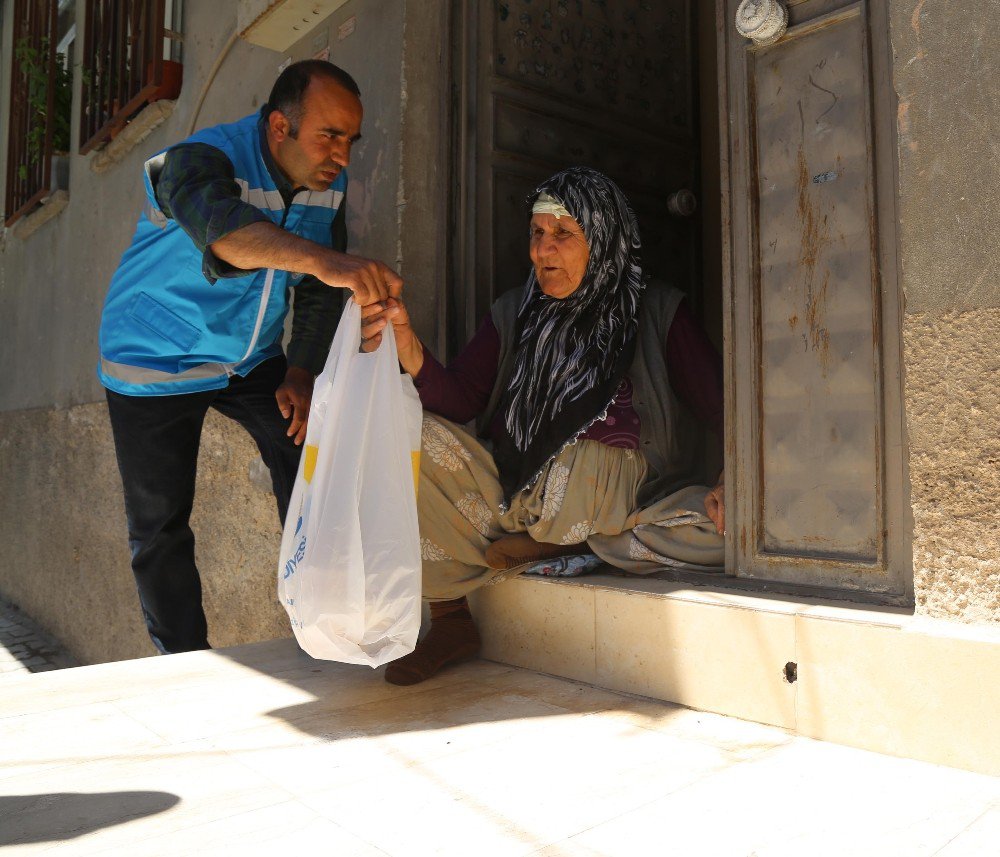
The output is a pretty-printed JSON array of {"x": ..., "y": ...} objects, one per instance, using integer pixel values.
[{"x": 165, "y": 329}]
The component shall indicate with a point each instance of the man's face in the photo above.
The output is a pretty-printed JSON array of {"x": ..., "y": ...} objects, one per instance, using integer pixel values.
[{"x": 330, "y": 125}]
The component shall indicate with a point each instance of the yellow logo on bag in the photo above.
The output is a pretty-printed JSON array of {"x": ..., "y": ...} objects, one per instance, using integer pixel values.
[
  {"x": 313, "y": 451},
  {"x": 310, "y": 465}
]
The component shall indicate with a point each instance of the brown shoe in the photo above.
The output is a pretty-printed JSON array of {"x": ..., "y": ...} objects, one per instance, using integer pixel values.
[
  {"x": 520, "y": 549},
  {"x": 453, "y": 638}
]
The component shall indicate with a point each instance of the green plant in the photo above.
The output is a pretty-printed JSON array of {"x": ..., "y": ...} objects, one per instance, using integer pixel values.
[{"x": 33, "y": 62}]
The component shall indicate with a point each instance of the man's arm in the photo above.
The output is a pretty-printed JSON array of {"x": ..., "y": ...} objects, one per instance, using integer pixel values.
[
  {"x": 197, "y": 189},
  {"x": 265, "y": 245}
]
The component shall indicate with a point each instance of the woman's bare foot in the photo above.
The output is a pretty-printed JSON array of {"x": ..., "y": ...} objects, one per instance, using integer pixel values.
[{"x": 520, "y": 549}]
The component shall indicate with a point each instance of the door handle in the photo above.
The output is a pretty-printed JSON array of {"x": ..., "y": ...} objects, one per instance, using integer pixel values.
[
  {"x": 762, "y": 21},
  {"x": 682, "y": 203}
]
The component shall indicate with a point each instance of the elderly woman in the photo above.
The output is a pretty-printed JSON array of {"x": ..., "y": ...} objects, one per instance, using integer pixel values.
[{"x": 579, "y": 384}]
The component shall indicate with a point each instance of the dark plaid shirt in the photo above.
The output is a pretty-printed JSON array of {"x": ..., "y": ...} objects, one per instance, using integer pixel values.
[{"x": 197, "y": 189}]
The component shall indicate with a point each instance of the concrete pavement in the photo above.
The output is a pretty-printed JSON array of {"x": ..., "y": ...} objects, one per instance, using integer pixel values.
[{"x": 261, "y": 750}]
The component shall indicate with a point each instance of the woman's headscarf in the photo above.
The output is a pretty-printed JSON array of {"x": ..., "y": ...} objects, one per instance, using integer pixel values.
[{"x": 572, "y": 353}]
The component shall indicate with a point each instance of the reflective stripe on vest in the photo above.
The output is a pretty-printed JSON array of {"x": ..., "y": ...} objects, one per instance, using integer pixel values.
[
  {"x": 142, "y": 375},
  {"x": 264, "y": 298},
  {"x": 259, "y": 197}
]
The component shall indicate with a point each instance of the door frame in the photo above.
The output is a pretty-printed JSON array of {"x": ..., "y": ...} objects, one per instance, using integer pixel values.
[{"x": 460, "y": 306}]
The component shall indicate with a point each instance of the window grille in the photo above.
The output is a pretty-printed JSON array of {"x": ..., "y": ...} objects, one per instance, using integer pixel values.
[
  {"x": 122, "y": 65},
  {"x": 33, "y": 104}
]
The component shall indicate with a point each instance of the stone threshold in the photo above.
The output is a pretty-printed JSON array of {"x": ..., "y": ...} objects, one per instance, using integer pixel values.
[{"x": 878, "y": 678}]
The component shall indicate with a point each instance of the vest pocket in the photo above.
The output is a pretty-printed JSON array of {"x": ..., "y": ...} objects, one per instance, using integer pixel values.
[{"x": 163, "y": 322}]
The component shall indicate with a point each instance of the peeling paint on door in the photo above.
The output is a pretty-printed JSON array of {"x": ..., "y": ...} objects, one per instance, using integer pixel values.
[{"x": 818, "y": 394}]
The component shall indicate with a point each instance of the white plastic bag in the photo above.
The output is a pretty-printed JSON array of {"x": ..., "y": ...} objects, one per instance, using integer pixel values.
[{"x": 349, "y": 571}]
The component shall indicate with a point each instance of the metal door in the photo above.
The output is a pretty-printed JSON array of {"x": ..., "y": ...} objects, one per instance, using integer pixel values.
[
  {"x": 816, "y": 487},
  {"x": 546, "y": 84}
]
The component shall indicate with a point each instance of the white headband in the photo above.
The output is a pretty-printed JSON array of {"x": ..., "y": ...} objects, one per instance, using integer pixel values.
[{"x": 546, "y": 204}]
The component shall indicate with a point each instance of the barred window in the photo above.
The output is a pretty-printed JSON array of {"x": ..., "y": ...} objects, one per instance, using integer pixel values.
[
  {"x": 41, "y": 101},
  {"x": 127, "y": 63}
]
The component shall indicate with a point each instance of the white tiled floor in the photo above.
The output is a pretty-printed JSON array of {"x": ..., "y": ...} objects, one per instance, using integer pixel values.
[{"x": 260, "y": 750}]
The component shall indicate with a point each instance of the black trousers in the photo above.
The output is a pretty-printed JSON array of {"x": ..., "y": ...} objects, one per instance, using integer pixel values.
[{"x": 156, "y": 441}]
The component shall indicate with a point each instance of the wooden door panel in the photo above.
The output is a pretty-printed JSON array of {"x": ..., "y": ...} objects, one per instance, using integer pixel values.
[
  {"x": 627, "y": 58},
  {"x": 510, "y": 264},
  {"x": 818, "y": 447},
  {"x": 812, "y": 245}
]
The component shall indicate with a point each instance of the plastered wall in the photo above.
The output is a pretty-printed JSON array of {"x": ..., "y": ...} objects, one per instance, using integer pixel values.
[
  {"x": 948, "y": 124},
  {"x": 63, "y": 546},
  {"x": 63, "y": 541}
]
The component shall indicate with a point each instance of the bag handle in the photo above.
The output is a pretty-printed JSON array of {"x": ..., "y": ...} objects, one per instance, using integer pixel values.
[
  {"x": 347, "y": 339},
  {"x": 346, "y": 345}
]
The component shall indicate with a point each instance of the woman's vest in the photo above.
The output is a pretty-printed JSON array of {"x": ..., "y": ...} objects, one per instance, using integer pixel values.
[
  {"x": 667, "y": 432},
  {"x": 165, "y": 328}
]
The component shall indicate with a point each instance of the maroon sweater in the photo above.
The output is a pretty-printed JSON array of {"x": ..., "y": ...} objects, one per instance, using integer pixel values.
[{"x": 461, "y": 390}]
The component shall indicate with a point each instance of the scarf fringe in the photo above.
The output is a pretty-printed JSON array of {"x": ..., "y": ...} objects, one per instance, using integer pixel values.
[{"x": 600, "y": 418}]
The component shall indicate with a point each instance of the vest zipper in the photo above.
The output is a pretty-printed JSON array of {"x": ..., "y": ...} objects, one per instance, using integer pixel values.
[
  {"x": 264, "y": 298},
  {"x": 261, "y": 310}
]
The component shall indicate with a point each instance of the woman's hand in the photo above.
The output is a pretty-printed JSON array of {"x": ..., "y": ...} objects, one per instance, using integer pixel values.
[
  {"x": 715, "y": 504},
  {"x": 374, "y": 320}
]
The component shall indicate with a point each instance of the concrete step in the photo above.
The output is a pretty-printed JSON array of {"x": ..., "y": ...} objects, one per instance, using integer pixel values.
[{"x": 880, "y": 679}]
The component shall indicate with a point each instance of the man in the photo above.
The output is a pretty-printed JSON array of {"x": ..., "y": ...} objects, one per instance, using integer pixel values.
[{"x": 236, "y": 218}]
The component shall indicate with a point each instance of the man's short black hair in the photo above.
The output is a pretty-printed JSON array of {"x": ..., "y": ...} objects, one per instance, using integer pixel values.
[{"x": 289, "y": 89}]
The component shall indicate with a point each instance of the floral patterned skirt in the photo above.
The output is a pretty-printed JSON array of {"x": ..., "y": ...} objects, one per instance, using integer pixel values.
[{"x": 585, "y": 494}]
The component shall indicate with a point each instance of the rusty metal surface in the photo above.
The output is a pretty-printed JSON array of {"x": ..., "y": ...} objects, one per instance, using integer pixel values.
[
  {"x": 819, "y": 387},
  {"x": 816, "y": 480}
]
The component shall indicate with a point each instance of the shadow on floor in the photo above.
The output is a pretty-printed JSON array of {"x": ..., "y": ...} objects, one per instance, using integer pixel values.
[
  {"x": 57, "y": 817},
  {"x": 354, "y": 701}
]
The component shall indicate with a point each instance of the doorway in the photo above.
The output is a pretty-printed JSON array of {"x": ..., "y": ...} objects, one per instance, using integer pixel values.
[{"x": 635, "y": 90}]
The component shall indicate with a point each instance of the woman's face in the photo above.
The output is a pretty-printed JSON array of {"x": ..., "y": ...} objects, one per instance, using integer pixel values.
[{"x": 559, "y": 253}]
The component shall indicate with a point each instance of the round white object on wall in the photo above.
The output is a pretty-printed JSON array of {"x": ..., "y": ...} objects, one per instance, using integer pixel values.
[{"x": 762, "y": 21}]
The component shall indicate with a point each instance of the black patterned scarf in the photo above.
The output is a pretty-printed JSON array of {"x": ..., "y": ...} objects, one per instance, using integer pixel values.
[{"x": 573, "y": 352}]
